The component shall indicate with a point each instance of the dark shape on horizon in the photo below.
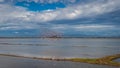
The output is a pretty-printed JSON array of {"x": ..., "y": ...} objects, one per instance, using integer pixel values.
[{"x": 51, "y": 34}]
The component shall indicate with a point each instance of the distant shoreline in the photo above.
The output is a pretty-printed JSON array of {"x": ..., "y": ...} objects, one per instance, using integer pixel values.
[{"x": 63, "y": 37}]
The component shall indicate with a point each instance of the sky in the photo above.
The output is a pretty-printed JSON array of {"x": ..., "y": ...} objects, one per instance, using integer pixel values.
[{"x": 67, "y": 18}]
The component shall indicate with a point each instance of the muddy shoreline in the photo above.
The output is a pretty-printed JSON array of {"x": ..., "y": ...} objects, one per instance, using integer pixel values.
[{"x": 107, "y": 60}]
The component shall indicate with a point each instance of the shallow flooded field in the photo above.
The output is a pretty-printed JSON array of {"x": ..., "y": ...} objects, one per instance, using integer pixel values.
[{"x": 60, "y": 48}]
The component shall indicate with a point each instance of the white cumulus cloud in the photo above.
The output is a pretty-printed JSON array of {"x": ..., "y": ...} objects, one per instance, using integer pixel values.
[
  {"x": 20, "y": 16},
  {"x": 49, "y": 1},
  {"x": 1, "y": 0}
]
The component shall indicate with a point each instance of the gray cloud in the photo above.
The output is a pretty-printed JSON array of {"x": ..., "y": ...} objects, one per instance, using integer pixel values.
[{"x": 19, "y": 17}]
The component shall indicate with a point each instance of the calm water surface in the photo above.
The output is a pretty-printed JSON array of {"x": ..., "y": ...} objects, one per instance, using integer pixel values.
[
  {"x": 60, "y": 48},
  {"x": 117, "y": 60}
]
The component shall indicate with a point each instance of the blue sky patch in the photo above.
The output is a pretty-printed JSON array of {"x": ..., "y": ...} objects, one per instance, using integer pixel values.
[{"x": 32, "y": 6}]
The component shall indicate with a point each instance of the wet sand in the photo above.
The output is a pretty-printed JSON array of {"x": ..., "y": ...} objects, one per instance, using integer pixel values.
[{"x": 19, "y": 62}]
